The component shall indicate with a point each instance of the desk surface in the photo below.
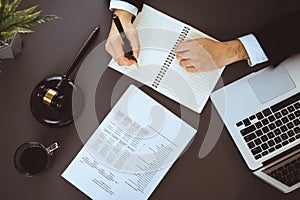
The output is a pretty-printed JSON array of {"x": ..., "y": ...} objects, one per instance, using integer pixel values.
[{"x": 221, "y": 174}]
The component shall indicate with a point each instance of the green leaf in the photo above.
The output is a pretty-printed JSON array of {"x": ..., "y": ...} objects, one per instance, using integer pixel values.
[
  {"x": 19, "y": 17},
  {"x": 23, "y": 30},
  {"x": 12, "y": 21},
  {"x": 28, "y": 19},
  {"x": 3, "y": 11},
  {"x": 9, "y": 21},
  {"x": 9, "y": 33},
  {"x": 14, "y": 5},
  {"x": 5, "y": 8},
  {"x": 40, "y": 19},
  {"x": 46, "y": 18},
  {"x": 18, "y": 29},
  {"x": 26, "y": 11},
  {"x": 5, "y": 36}
]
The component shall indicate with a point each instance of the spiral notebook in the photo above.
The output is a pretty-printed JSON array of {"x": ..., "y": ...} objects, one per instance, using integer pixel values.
[{"x": 159, "y": 69}]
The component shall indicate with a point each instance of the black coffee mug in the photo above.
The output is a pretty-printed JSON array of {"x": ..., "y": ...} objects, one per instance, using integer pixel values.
[{"x": 33, "y": 158}]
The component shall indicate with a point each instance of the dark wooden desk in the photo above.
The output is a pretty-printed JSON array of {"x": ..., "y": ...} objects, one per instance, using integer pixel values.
[{"x": 222, "y": 174}]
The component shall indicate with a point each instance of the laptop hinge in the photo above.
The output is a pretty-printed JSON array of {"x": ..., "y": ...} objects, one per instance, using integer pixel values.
[{"x": 284, "y": 155}]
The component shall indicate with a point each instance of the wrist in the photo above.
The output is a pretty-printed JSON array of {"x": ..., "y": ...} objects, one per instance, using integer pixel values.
[
  {"x": 236, "y": 51},
  {"x": 226, "y": 53},
  {"x": 123, "y": 15}
]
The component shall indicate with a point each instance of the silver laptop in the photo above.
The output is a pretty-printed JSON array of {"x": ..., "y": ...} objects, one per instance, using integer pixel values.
[{"x": 262, "y": 114}]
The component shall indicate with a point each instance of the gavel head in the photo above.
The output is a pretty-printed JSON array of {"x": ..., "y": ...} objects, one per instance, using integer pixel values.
[
  {"x": 56, "y": 101},
  {"x": 51, "y": 97}
]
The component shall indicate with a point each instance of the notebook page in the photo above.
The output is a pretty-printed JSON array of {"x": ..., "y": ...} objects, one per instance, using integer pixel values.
[
  {"x": 152, "y": 55},
  {"x": 194, "y": 88},
  {"x": 157, "y": 34}
]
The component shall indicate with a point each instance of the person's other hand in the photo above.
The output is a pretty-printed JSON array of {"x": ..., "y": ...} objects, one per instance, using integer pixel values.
[
  {"x": 114, "y": 43},
  {"x": 203, "y": 54}
]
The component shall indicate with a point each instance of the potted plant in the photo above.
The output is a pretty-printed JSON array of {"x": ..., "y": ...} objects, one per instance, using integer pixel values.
[{"x": 13, "y": 22}]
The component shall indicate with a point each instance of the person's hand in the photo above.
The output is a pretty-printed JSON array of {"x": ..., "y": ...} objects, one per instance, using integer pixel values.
[
  {"x": 114, "y": 44},
  {"x": 203, "y": 54}
]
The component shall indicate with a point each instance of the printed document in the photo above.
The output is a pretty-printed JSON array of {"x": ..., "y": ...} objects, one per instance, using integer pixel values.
[{"x": 131, "y": 150}]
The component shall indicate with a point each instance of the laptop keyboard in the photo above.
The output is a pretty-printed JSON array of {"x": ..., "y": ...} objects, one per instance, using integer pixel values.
[
  {"x": 273, "y": 127},
  {"x": 289, "y": 173}
]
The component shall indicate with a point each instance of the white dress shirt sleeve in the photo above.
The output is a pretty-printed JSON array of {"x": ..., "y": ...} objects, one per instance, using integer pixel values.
[
  {"x": 254, "y": 50},
  {"x": 122, "y": 5}
]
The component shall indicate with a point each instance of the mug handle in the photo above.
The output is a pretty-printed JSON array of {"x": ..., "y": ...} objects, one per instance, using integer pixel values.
[{"x": 52, "y": 148}]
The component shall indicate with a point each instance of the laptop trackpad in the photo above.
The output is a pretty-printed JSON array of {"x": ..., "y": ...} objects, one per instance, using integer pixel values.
[{"x": 271, "y": 83}]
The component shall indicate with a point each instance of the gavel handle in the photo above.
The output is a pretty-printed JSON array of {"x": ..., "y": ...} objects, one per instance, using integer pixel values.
[
  {"x": 78, "y": 56},
  {"x": 81, "y": 52}
]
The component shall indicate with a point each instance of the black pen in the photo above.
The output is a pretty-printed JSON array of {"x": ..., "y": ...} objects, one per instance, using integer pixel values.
[{"x": 126, "y": 48}]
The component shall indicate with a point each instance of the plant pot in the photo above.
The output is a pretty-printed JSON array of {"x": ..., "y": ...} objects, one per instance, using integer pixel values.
[{"x": 12, "y": 49}]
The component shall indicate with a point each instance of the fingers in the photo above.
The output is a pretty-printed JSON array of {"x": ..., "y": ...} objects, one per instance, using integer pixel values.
[
  {"x": 191, "y": 69},
  {"x": 195, "y": 56},
  {"x": 183, "y": 46},
  {"x": 183, "y": 55},
  {"x": 114, "y": 47},
  {"x": 188, "y": 66},
  {"x": 132, "y": 36},
  {"x": 123, "y": 61},
  {"x": 184, "y": 51},
  {"x": 185, "y": 63}
]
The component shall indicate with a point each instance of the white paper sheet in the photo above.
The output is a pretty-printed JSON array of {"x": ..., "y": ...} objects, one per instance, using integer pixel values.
[{"x": 131, "y": 150}]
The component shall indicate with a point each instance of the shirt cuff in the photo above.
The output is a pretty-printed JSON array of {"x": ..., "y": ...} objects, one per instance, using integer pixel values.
[
  {"x": 122, "y": 5},
  {"x": 254, "y": 50}
]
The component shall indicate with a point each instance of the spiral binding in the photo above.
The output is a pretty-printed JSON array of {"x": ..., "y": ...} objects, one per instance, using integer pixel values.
[{"x": 163, "y": 70}]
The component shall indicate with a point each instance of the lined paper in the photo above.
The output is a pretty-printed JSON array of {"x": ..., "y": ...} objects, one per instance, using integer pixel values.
[{"x": 158, "y": 34}]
